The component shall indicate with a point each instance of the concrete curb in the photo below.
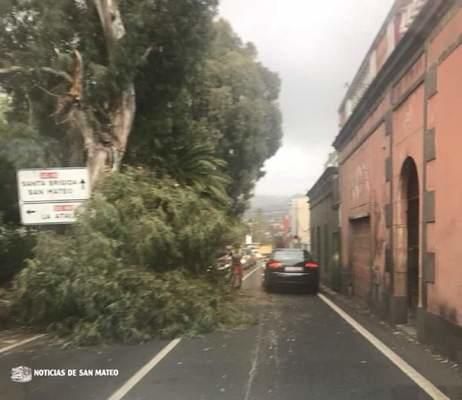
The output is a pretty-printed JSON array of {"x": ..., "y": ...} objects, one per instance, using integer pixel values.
[{"x": 364, "y": 310}]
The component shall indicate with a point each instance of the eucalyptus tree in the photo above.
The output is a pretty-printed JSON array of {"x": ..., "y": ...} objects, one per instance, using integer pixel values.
[{"x": 73, "y": 67}]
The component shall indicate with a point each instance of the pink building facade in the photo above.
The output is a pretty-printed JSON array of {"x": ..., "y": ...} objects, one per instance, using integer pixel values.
[{"x": 400, "y": 173}]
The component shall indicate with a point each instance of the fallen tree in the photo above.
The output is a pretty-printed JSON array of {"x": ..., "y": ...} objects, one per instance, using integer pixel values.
[{"x": 134, "y": 267}]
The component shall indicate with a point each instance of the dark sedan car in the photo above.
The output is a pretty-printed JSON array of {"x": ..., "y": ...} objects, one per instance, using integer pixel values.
[{"x": 291, "y": 267}]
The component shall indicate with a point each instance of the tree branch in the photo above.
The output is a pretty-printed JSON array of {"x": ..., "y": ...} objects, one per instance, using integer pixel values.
[
  {"x": 111, "y": 22},
  {"x": 48, "y": 92},
  {"x": 11, "y": 70},
  {"x": 55, "y": 72},
  {"x": 146, "y": 54},
  {"x": 52, "y": 71}
]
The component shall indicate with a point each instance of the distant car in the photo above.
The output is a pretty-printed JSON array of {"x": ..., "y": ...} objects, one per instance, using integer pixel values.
[
  {"x": 257, "y": 255},
  {"x": 248, "y": 259},
  {"x": 224, "y": 261},
  {"x": 291, "y": 267}
]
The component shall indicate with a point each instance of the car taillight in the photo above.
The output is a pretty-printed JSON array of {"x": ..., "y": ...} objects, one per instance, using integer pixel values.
[
  {"x": 311, "y": 264},
  {"x": 273, "y": 264}
]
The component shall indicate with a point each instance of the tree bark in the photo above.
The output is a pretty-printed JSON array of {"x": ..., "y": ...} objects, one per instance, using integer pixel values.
[
  {"x": 111, "y": 21},
  {"x": 104, "y": 149},
  {"x": 123, "y": 117},
  {"x": 124, "y": 109}
]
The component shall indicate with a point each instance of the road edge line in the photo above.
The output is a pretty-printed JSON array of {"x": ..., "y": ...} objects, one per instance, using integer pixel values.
[
  {"x": 251, "y": 272},
  {"x": 405, "y": 367},
  {"x": 143, "y": 371},
  {"x": 21, "y": 343}
]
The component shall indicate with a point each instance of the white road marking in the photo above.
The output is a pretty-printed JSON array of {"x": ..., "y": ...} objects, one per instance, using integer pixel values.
[
  {"x": 419, "y": 379},
  {"x": 254, "y": 364},
  {"x": 20, "y": 343},
  {"x": 143, "y": 371},
  {"x": 251, "y": 272}
]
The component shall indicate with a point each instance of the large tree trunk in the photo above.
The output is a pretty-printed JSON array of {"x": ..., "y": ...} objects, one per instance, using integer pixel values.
[
  {"x": 124, "y": 107},
  {"x": 123, "y": 117},
  {"x": 97, "y": 153},
  {"x": 104, "y": 144}
]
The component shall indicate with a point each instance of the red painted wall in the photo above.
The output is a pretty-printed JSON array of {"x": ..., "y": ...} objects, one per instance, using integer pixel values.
[
  {"x": 444, "y": 175},
  {"x": 364, "y": 192},
  {"x": 363, "y": 187}
]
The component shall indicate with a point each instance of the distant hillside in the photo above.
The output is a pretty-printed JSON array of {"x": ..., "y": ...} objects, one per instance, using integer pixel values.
[
  {"x": 269, "y": 202},
  {"x": 271, "y": 205}
]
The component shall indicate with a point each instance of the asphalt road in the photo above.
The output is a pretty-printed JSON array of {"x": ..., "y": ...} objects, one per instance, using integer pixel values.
[{"x": 300, "y": 349}]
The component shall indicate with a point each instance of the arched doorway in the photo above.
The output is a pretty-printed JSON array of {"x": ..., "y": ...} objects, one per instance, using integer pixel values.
[{"x": 411, "y": 206}]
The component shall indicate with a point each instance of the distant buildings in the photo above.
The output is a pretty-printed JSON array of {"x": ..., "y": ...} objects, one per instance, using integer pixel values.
[
  {"x": 286, "y": 221},
  {"x": 325, "y": 226},
  {"x": 299, "y": 217}
]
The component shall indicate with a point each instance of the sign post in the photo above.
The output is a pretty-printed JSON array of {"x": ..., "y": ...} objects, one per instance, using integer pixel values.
[{"x": 52, "y": 195}]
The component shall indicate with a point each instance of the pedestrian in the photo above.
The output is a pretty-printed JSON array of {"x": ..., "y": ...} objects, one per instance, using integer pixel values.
[{"x": 236, "y": 265}]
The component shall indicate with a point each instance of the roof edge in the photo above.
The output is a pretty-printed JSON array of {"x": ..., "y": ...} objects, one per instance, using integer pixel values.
[
  {"x": 328, "y": 172},
  {"x": 410, "y": 44},
  {"x": 372, "y": 47}
]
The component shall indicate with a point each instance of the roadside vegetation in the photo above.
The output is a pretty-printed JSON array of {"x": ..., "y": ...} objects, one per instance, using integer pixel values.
[
  {"x": 135, "y": 266},
  {"x": 171, "y": 182}
]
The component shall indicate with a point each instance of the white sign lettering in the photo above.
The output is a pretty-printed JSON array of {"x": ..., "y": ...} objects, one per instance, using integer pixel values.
[
  {"x": 49, "y": 213},
  {"x": 48, "y": 185},
  {"x": 52, "y": 196}
]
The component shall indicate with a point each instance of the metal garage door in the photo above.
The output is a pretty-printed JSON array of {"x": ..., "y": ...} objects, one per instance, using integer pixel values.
[{"x": 361, "y": 256}]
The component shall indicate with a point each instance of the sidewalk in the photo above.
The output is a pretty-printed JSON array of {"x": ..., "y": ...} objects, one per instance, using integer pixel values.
[{"x": 443, "y": 373}]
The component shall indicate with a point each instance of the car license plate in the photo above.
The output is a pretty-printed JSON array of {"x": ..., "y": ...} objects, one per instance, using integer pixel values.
[{"x": 293, "y": 269}]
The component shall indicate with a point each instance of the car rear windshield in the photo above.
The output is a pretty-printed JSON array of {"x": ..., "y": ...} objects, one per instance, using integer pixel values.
[{"x": 292, "y": 255}]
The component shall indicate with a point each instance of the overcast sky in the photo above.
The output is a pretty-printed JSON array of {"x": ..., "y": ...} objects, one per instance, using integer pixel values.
[{"x": 316, "y": 47}]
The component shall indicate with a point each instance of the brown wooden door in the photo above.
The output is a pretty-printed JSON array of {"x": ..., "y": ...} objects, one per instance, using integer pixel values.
[{"x": 361, "y": 257}]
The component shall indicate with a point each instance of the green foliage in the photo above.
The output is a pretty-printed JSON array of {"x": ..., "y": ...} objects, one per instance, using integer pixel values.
[
  {"x": 103, "y": 300},
  {"x": 207, "y": 112},
  {"x": 228, "y": 107},
  {"x": 20, "y": 147},
  {"x": 207, "y": 118},
  {"x": 243, "y": 108},
  {"x": 23, "y": 147},
  {"x": 133, "y": 267},
  {"x": 162, "y": 44},
  {"x": 16, "y": 245},
  {"x": 3, "y": 110},
  {"x": 159, "y": 223}
]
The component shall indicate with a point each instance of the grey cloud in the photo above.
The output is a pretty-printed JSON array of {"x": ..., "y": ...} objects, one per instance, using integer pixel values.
[{"x": 316, "y": 47}]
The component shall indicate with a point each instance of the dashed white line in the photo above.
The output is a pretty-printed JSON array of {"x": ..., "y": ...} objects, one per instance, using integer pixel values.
[
  {"x": 143, "y": 371},
  {"x": 20, "y": 343},
  {"x": 419, "y": 379},
  {"x": 254, "y": 364}
]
